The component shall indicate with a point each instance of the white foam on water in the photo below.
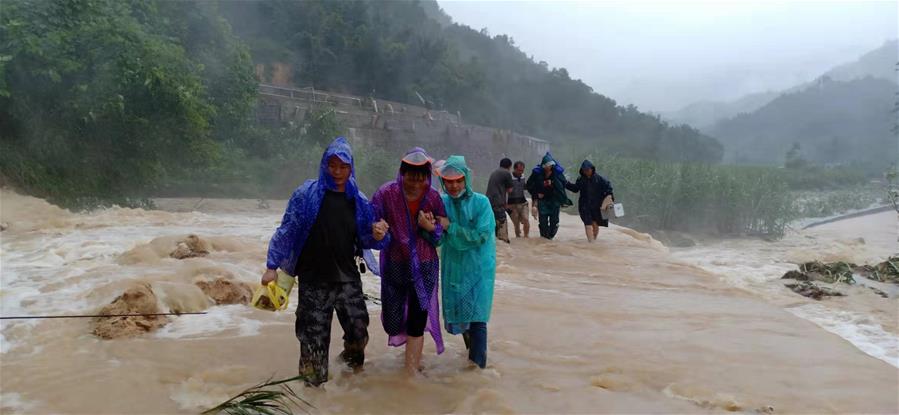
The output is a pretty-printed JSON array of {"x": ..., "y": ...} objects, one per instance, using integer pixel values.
[
  {"x": 737, "y": 267},
  {"x": 756, "y": 265},
  {"x": 14, "y": 402},
  {"x": 855, "y": 328},
  {"x": 228, "y": 318},
  {"x": 55, "y": 270}
]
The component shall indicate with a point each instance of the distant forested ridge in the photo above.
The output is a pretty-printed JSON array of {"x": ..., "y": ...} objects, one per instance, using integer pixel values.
[
  {"x": 833, "y": 122},
  {"x": 846, "y": 117},
  {"x": 409, "y": 50},
  {"x": 116, "y": 98},
  {"x": 879, "y": 63}
]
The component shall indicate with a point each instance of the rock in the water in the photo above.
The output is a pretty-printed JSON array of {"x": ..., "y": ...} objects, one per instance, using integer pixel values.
[
  {"x": 673, "y": 239},
  {"x": 879, "y": 292},
  {"x": 807, "y": 289},
  {"x": 190, "y": 247},
  {"x": 226, "y": 291},
  {"x": 139, "y": 299},
  {"x": 3, "y": 226},
  {"x": 795, "y": 275},
  {"x": 680, "y": 240}
]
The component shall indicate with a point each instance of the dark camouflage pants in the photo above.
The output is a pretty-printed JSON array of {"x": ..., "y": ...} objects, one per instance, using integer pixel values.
[{"x": 317, "y": 303}]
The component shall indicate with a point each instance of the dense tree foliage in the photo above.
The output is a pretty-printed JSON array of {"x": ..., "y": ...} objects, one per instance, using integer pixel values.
[
  {"x": 109, "y": 98},
  {"x": 104, "y": 98},
  {"x": 409, "y": 50}
]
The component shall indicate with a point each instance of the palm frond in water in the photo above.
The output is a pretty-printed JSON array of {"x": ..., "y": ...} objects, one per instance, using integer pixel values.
[{"x": 265, "y": 400}]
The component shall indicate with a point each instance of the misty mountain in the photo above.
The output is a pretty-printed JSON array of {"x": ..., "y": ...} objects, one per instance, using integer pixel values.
[
  {"x": 834, "y": 122},
  {"x": 878, "y": 63},
  {"x": 704, "y": 114},
  {"x": 404, "y": 50}
]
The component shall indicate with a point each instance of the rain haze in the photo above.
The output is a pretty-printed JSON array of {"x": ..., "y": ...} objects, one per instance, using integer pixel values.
[
  {"x": 547, "y": 207},
  {"x": 693, "y": 51}
]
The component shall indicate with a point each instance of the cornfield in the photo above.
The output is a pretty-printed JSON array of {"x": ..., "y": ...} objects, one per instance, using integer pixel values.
[{"x": 698, "y": 197}]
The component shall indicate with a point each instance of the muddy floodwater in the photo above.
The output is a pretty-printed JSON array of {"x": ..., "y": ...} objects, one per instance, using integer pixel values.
[{"x": 623, "y": 325}]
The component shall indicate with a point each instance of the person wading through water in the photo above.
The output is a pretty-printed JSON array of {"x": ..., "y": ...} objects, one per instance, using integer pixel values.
[
  {"x": 546, "y": 185},
  {"x": 518, "y": 203},
  {"x": 595, "y": 197},
  {"x": 468, "y": 259},
  {"x": 498, "y": 187},
  {"x": 410, "y": 267},
  {"x": 327, "y": 224}
]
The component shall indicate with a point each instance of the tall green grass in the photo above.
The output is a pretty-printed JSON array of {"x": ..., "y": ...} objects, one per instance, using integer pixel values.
[
  {"x": 731, "y": 200},
  {"x": 816, "y": 204}
]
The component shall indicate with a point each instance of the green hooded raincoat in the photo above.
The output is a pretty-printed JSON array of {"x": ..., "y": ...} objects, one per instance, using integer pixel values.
[{"x": 468, "y": 260}]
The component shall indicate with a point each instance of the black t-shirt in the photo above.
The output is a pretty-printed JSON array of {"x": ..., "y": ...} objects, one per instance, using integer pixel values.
[
  {"x": 329, "y": 252},
  {"x": 498, "y": 186}
]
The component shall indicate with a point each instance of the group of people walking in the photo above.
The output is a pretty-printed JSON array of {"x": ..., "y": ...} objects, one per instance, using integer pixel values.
[
  {"x": 547, "y": 187},
  {"x": 329, "y": 229}
]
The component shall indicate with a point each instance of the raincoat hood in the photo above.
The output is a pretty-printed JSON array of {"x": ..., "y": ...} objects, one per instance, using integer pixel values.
[
  {"x": 302, "y": 210},
  {"x": 340, "y": 148},
  {"x": 417, "y": 156},
  {"x": 587, "y": 165},
  {"x": 546, "y": 159},
  {"x": 454, "y": 166}
]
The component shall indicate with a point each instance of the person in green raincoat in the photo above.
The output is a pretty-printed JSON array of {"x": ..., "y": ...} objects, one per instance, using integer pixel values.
[
  {"x": 468, "y": 258},
  {"x": 547, "y": 188}
]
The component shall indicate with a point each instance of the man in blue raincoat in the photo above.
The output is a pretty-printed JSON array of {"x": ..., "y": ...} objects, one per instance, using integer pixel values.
[
  {"x": 468, "y": 258},
  {"x": 327, "y": 225}
]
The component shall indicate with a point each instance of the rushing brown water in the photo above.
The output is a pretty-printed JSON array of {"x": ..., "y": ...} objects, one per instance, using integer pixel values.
[{"x": 620, "y": 325}]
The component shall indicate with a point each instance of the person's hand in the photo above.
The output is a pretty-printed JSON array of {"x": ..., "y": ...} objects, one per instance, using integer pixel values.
[
  {"x": 539, "y": 195},
  {"x": 268, "y": 276},
  {"x": 606, "y": 203},
  {"x": 444, "y": 222},
  {"x": 534, "y": 210},
  {"x": 379, "y": 229},
  {"x": 426, "y": 221}
]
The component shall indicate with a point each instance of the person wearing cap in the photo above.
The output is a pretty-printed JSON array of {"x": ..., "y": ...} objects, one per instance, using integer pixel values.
[
  {"x": 410, "y": 269},
  {"x": 468, "y": 259},
  {"x": 328, "y": 223},
  {"x": 546, "y": 185},
  {"x": 498, "y": 187},
  {"x": 595, "y": 196}
]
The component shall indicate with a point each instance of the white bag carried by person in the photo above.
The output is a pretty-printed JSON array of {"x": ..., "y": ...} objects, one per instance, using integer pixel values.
[{"x": 615, "y": 210}]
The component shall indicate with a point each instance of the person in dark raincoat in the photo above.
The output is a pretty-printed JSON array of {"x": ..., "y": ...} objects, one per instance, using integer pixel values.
[
  {"x": 327, "y": 225},
  {"x": 546, "y": 185},
  {"x": 410, "y": 268},
  {"x": 595, "y": 196}
]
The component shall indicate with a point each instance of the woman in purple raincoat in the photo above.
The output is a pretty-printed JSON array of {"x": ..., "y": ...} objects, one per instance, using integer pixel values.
[{"x": 409, "y": 266}]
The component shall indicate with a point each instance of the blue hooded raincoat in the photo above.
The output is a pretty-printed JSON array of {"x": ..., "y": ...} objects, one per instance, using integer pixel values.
[{"x": 287, "y": 243}]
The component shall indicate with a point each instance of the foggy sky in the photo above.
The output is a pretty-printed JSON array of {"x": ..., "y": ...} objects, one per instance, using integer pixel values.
[{"x": 663, "y": 55}]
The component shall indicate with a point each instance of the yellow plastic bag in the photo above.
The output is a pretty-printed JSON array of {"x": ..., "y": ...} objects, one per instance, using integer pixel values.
[{"x": 275, "y": 295}]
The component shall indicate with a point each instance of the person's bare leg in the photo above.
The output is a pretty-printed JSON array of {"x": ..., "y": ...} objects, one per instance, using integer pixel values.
[
  {"x": 414, "y": 347},
  {"x": 589, "y": 232},
  {"x": 526, "y": 223},
  {"x": 595, "y": 230},
  {"x": 516, "y": 222}
]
